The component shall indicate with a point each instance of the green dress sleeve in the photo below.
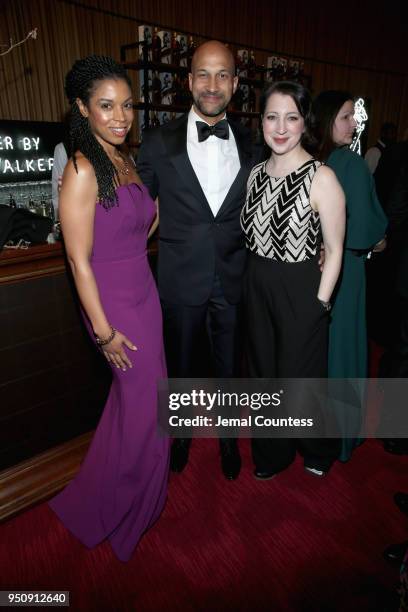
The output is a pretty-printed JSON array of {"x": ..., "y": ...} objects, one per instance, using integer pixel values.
[{"x": 366, "y": 220}]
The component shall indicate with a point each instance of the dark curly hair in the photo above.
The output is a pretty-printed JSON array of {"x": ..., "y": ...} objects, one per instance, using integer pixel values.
[
  {"x": 80, "y": 82},
  {"x": 303, "y": 100}
]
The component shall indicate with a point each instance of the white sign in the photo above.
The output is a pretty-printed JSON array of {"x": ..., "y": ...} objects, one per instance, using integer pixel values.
[{"x": 28, "y": 163}]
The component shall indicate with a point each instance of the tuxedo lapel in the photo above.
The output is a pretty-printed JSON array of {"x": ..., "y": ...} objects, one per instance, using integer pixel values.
[
  {"x": 175, "y": 141},
  {"x": 243, "y": 140}
]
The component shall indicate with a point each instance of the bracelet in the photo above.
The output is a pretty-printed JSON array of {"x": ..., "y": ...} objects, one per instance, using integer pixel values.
[
  {"x": 326, "y": 305},
  {"x": 103, "y": 342}
]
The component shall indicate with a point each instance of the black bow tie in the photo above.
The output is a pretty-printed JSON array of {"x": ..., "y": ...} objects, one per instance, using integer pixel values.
[{"x": 220, "y": 129}]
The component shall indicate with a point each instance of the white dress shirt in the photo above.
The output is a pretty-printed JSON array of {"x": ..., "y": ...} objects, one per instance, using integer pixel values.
[{"x": 215, "y": 162}]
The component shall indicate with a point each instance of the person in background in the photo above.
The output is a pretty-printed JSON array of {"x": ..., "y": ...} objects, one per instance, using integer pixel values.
[
  {"x": 388, "y": 135},
  {"x": 106, "y": 214},
  {"x": 292, "y": 202},
  {"x": 60, "y": 161},
  {"x": 365, "y": 231},
  {"x": 394, "y": 361}
]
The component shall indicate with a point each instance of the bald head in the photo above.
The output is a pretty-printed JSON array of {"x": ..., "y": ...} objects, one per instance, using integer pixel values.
[
  {"x": 210, "y": 50},
  {"x": 212, "y": 80}
]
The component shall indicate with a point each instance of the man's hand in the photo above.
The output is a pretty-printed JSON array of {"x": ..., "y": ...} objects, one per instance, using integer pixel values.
[{"x": 380, "y": 246}]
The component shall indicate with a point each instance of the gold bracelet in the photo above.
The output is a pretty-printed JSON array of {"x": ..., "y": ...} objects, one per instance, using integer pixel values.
[{"x": 103, "y": 342}]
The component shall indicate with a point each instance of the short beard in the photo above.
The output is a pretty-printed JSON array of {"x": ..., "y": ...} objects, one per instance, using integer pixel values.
[{"x": 215, "y": 112}]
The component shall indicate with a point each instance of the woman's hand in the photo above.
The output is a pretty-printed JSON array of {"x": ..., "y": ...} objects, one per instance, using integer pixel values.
[{"x": 114, "y": 352}]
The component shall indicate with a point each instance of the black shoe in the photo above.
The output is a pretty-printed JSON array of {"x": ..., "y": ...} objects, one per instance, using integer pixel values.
[
  {"x": 396, "y": 552},
  {"x": 263, "y": 474},
  {"x": 396, "y": 446},
  {"x": 179, "y": 454},
  {"x": 230, "y": 458},
  {"x": 401, "y": 499}
]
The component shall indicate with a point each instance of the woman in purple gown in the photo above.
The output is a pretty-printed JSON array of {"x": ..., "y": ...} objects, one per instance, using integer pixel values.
[{"x": 106, "y": 215}]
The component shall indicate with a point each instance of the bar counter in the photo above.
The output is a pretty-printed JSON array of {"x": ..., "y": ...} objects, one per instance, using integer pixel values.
[
  {"x": 53, "y": 382},
  {"x": 33, "y": 262}
]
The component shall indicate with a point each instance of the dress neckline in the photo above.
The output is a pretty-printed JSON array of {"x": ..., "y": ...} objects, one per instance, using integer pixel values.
[
  {"x": 138, "y": 185},
  {"x": 277, "y": 178}
]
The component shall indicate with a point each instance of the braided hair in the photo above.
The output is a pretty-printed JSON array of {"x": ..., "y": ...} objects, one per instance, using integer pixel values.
[{"x": 80, "y": 82}]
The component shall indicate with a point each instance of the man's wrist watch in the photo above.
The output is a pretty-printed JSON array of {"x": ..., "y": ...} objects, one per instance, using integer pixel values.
[{"x": 326, "y": 305}]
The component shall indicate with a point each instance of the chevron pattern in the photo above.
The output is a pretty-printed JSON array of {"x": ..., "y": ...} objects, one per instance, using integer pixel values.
[{"x": 277, "y": 219}]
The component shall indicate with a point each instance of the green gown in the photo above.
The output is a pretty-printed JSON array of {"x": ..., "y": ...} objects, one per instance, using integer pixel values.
[{"x": 366, "y": 225}]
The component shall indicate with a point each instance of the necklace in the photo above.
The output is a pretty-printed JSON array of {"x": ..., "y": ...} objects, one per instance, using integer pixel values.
[{"x": 124, "y": 169}]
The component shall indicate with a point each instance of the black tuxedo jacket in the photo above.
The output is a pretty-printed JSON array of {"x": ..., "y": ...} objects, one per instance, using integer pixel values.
[{"x": 193, "y": 244}]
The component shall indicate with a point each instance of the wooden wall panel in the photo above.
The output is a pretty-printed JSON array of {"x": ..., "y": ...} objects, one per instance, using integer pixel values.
[{"x": 354, "y": 47}]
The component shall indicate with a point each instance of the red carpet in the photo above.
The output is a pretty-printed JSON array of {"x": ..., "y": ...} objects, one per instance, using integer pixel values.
[{"x": 295, "y": 543}]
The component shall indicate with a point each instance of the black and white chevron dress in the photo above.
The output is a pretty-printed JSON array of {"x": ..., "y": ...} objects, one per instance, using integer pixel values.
[{"x": 277, "y": 219}]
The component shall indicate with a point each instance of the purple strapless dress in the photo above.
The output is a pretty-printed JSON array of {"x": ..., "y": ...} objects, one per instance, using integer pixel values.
[{"x": 121, "y": 487}]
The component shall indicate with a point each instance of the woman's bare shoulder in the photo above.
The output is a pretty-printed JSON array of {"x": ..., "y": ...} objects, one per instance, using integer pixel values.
[{"x": 81, "y": 173}]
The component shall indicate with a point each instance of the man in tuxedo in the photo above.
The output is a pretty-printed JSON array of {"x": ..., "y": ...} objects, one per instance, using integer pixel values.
[{"x": 198, "y": 166}]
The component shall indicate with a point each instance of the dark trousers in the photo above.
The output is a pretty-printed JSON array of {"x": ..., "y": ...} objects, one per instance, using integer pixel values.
[
  {"x": 187, "y": 329},
  {"x": 287, "y": 330},
  {"x": 201, "y": 341}
]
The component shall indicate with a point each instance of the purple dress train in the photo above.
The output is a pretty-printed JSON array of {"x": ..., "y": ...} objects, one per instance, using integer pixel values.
[{"x": 121, "y": 487}]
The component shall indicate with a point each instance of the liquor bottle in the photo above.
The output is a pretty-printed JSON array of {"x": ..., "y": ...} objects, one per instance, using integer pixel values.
[
  {"x": 183, "y": 42},
  {"x": 251, "y": 65},
  {"x": 252, "y": 100},
  {"x": 177, "y": 91},
  {"x": 281, "y": 70},
  {"x": 185, "y": 93},
  {"x": 155, "y": 120},
  {"x": 12, "y": 202},
  {"x": 156, "y": 46},
  {"x": 175, "y": 50},
  {"x": 275, "y": 69},
  {"x": 32, "y": 206},
  {"x": 190, "y": 51},
  {"x": 242, "y": 62},
  {"x": 156, "y": 89},
  {"x": 293, "y": 70}
]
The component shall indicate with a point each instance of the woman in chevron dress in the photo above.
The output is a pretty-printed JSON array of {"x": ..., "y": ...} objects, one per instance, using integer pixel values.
[{"x": 292, "y": 203}]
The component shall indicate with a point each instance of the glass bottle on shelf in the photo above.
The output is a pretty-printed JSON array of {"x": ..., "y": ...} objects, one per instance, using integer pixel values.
[
  {"x": 251, "y": 65},
  {"x": 12, "y": 202},
  {"x": 155, "y": 119},
  {"x": 32, "y": 207},
  {"x": 275, "y": 69},
  {"x": 252, "y": 100},
  {"x": 175, "y": 50},
  {"x": 295, "y": 71},
  {"x": 177, "y": 91},
  {"x": 156, "y": 46},
  {"x": 185, "y": 94},
  {"x": 190, "y": 50},
  {"x": 156, "y": 89}
]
